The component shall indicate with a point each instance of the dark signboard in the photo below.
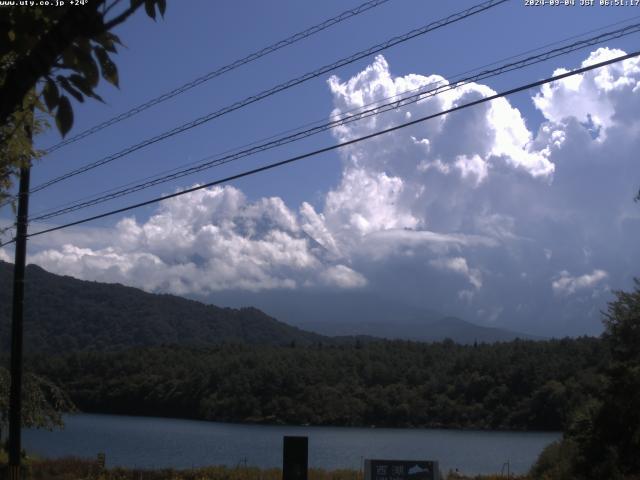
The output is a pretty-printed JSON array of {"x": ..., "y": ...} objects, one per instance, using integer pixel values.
[{"x": 401, "y": 470}]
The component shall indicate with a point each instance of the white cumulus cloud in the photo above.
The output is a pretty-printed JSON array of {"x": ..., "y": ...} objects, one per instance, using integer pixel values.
[
  {"x": 459, "y": 265},
  {"x": 209, "y": 240},
  {"x": 471, "y": 213},
  {"x": 602, "y": 98},
  {"x": 566, "y": 284}
]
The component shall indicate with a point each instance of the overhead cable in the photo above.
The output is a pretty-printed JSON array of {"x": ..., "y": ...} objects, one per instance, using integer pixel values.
[
  {"x": 337, "y": 146},
  {"x": 220, "y": 71},
  {"x": 419, "y": 94},
  {"x": 453, "y": 79},
  {"x": 278, "y": 88}
]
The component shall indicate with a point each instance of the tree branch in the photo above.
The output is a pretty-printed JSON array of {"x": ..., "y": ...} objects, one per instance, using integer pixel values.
[
  {"x": 108, "y": 8},
  {"x": 26, "y": 71},
  {"x": 124, "y": 15}
]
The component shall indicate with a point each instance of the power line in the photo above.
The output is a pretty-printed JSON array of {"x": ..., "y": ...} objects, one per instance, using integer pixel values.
[
  {"x": 8, "y": 242},
  {"x": 278, "y": 88},
  {"x": 453, "y": 79},
  {"x": 297, "y": 131},
  {"x": 421, "y": 94},
  {"x": 339, "y": 145},
  {"x": 220, "y": 71},
  {"x": 318, "y": 122}
]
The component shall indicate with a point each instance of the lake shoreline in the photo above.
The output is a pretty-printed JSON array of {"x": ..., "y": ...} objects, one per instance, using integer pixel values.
[{"x": 282, "y": 424}]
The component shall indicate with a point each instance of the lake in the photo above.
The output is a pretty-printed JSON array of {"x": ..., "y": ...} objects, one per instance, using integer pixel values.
[{"x": 147, "y": 442}]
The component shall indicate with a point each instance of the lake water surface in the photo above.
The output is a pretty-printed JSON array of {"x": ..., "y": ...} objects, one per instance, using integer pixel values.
[{"x": 146, "y": 442}]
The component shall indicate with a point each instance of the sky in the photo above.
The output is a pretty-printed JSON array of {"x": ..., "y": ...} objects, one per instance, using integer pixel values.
[{"x": 517, "y": 213}]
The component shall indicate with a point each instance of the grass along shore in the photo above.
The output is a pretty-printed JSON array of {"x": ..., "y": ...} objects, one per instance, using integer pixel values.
[{"x": 72, "y": 468}]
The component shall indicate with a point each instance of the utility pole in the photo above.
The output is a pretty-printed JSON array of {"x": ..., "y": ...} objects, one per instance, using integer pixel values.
[{"x": 15, "y": 398}]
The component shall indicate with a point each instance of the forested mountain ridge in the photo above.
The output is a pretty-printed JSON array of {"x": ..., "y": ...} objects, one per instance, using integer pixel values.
[
  {"x": 117, "y": 349},
  {"x": 66, "y": 314}
]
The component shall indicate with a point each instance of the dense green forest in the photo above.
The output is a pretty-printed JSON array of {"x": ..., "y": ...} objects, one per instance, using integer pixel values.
[
  {"x": 515, "y": 385},
  {"x": 130, "y": 352},
  {"x": 602, "y": 435}
]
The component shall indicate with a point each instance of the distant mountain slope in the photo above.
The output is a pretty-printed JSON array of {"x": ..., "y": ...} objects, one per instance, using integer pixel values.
[
  {"x": 67, "y": 314},
  {"x": 64, "y": 314},
  {"x": 430, "y": 330},
  {"x": 364, "y": 313}
]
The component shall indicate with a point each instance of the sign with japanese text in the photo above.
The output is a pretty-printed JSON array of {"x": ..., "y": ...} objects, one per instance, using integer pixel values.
[{"x": 401, "y": 470}]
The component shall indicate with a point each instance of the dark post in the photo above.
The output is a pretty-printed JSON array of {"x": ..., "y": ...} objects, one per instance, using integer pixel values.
[
  {"x": 295, "y": 455},
  {"x": 15, "y": 399}
]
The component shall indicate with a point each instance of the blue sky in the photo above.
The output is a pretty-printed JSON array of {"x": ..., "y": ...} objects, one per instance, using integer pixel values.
[{"x": 360, "y": 242}]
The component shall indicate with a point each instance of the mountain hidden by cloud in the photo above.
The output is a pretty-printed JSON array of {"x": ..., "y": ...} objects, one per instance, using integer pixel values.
[{"x": 471, "y": 213}]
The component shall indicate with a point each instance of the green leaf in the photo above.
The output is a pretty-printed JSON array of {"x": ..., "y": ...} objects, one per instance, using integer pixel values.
[
  {"x": 109, "y": 69},
  {"x": 82, "y": 84},
  {"x": 89, "y": 69},
  {"x": 107, "y": 42},
  {"x": 162, "y": 6},
  {"x": 64, "y": 115},
  {"x": 51, "y": 94},
  {"x": 64, "y": 83},
  {"x": 115, "y": 38},
  {"x": 150, "y": 7},
  {"x": 69, "y": 58},
  {"x": 83, "y": 44},
  {"x": 86, "y": 65}
]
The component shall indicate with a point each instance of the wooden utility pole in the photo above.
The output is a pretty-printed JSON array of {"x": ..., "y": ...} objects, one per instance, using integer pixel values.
[{"x": 15, "y": 398}]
